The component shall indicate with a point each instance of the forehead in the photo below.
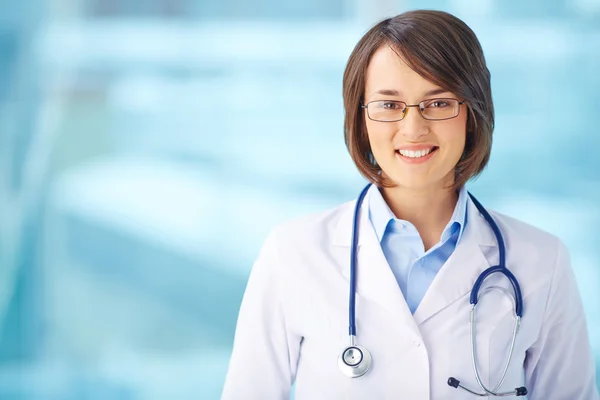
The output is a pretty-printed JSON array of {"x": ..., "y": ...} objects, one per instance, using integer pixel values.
[{"x": 387, "y": 70}]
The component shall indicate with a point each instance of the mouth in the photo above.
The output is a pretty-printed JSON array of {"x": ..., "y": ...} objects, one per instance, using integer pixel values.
[{"x": 418, "y": 153}]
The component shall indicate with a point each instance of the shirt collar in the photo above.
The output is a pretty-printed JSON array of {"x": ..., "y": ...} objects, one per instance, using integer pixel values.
[{"x": 380, "y": 214}]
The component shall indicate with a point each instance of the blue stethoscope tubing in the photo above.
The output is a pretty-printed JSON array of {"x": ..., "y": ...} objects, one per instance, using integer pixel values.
[{"x": 351, "y": 365}]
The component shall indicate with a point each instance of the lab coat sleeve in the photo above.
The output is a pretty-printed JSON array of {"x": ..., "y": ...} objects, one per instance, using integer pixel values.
[
  {"x": 560, "y": 364},
  {"x": 259, "y": 367}
]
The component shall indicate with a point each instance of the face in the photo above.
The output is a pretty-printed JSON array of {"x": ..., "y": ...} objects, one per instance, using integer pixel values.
[{"x": 393, "y": 143}]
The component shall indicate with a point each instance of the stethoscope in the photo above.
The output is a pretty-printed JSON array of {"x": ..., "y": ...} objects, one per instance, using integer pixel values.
[{"x": 355, "y": 360}]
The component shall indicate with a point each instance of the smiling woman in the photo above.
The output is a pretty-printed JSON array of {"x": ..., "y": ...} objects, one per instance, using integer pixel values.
[
  {"x": 421, "y": 64},
  {"x": 426, "y": 252}
]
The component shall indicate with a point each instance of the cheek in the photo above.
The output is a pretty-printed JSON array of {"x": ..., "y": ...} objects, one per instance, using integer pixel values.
[
  {"x": 455, "y": 142},
  {"x": 453, "y": 139},
  {"x": 380, "y": 135}
]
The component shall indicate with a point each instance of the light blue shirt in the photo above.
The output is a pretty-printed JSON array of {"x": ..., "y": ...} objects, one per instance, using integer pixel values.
[{"x": 404, "y": 250}]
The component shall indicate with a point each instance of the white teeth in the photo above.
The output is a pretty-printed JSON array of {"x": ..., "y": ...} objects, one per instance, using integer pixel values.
[{"x": 415, "y": 154}]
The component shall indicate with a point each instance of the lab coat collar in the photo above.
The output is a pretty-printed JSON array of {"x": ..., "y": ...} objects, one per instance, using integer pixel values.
[
  {"x": 454, "y": 280},
  {"x": 380, "y": 214},
  {"x": 342, "y": 235},
  {"x": 468, "y": 260}
]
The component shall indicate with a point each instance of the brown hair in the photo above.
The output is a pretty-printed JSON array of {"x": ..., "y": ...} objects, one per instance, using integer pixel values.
[{"x": 442, "y": 49}]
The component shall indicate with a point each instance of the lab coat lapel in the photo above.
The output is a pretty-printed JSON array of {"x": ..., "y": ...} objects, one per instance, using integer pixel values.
[
  {"x": 375, "y": 280},
  {"x": 456, "y": 277}
]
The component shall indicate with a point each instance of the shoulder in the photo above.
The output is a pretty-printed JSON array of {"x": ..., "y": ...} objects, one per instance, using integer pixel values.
[
  {"x": 518, "y": 232},
  {"x": 318, "y": 227},
  {"x": 296, "y": 244},
  {"x": 534, "y": 253}
]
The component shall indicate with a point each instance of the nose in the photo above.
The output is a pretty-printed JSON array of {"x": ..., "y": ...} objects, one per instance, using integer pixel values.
[{"x": 413, "y": 125}]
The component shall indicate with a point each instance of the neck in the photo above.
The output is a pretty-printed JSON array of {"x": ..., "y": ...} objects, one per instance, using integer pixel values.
[{"x": 429, "y": 210}]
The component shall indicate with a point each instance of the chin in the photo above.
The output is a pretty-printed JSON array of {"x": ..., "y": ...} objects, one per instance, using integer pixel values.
[
  {"x": 415, "y": 183},
  {"x": 412, "y": 183}
]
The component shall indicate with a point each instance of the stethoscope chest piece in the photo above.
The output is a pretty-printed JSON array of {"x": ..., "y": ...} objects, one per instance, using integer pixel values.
[{"x": 354, "y": 361}]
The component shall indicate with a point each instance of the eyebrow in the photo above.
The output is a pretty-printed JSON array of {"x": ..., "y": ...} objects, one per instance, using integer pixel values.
[{"x": 392, "y": 92}]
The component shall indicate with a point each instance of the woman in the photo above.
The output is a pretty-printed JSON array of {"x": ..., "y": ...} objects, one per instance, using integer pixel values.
[{"x": 418, "y": 125}]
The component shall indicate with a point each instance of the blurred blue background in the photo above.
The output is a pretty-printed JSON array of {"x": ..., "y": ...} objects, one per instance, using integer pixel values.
[{"x": 147, "y": 147}]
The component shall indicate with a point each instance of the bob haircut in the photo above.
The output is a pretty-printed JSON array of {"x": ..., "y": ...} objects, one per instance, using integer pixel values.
[{"x": 442, "y": 49}]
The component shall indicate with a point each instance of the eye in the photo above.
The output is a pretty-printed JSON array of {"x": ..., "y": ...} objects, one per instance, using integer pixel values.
[
  {"x": 437, "y": 104},
  {"x": 391, "y": 105}
]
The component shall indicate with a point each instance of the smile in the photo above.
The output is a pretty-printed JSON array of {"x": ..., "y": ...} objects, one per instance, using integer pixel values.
[{"x": 416, "y": 154}]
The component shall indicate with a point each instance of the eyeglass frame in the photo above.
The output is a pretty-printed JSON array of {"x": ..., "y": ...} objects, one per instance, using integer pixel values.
[{"x": 405, "y": 113}]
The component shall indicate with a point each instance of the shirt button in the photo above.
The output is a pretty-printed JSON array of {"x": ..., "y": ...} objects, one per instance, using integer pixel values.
[{"x": 417, "y": 342}]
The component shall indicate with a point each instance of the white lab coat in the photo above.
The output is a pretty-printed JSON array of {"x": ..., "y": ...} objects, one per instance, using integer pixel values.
[{"x": 293, "y": 320}]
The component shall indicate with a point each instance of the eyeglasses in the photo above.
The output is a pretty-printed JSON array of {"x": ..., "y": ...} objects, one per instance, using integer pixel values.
[{"x": 432, "y": 109}]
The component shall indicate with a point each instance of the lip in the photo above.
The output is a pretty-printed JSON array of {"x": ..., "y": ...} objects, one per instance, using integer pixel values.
[
  {"x": 417, "y": 160},
  {"x": 416, "y": 147}
]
